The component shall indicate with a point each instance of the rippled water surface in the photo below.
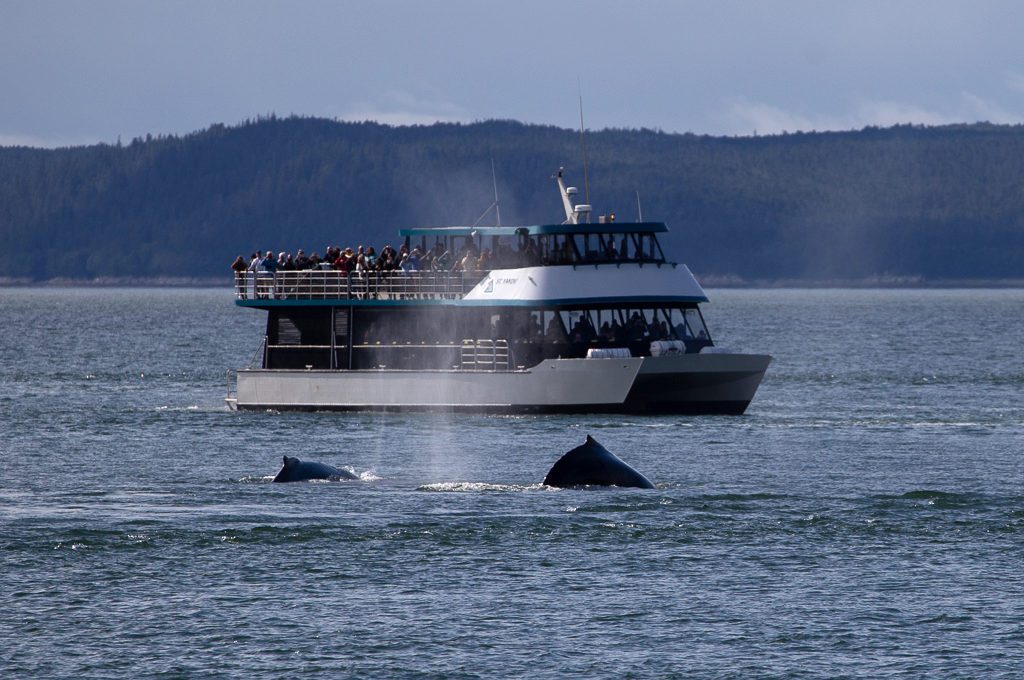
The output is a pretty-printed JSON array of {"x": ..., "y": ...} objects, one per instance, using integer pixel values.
[{"x": 865, "y": 518}]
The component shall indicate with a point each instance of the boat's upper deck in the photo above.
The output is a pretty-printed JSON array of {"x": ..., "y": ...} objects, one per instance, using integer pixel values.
[
  {"x": 545, "y": 244},
  {"x": 599, "y": 283},
  {"x": 552, "y": 263}
]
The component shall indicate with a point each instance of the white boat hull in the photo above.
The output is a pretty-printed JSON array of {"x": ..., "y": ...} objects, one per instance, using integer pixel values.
[{"x": 688, "y": 383}]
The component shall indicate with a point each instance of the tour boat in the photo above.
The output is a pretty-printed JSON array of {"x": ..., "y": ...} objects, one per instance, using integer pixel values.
[{"x": 582, "y": 316}]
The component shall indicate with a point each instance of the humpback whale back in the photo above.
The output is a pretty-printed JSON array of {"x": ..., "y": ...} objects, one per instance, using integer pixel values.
[
  {"x": 295, "y": 470},
  {"x": 592, "y": 464}
]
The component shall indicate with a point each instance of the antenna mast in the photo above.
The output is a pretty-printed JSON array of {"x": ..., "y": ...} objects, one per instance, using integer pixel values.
[
  {"x": 583, "y": 143},
  {"x": 497, "y": 205}
]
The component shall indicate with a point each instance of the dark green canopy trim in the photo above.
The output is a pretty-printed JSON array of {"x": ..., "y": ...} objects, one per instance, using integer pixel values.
[{"x": 536, "y": 230}]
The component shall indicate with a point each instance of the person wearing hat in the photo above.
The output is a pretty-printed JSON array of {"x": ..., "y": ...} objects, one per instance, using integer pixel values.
[
  {"x": 416, "y": 259},
  {"x": 347, "y": 261}
]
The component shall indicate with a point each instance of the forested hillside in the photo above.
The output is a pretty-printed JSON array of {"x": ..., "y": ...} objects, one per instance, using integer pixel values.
[{"x": 935, "y": 203}]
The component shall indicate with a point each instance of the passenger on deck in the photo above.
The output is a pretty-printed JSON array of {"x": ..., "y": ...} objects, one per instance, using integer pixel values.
[
  {"x": 503, "y": 257},
  {"x": 346, "y": 262},
  {"x": 618, "y": 331},
  {"x": 554, "y": 332},
  {"x": 582, "y": 331},
  {"x": 391, "y": 264},
  {"x": 386, "y": 261},
  {"x": 265, "y": 275},
  {"x": 411, "y": 261},
  {"x": 239, "y": 267},
  {"x": 444, "y": 261},
  {"x": 427, "y": 261},
  {"x": 535, "y": 331},
  {"x": 269, "y": 263},
  {"x": 635, "y": 328},
  {"x": 565, "y": 253},
  {"x": 432, "y": 257},
  {"x": 532, "y": 254}
]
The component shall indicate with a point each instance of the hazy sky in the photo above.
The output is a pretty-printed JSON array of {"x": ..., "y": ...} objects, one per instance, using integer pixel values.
[{"x": 93, "y": 70}]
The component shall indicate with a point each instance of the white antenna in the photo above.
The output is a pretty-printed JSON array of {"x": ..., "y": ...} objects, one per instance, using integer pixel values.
[
  {"x": 496, "y": 207},
  {"x": 639, "y": 212},
  {"x": 583, "y": 143}
]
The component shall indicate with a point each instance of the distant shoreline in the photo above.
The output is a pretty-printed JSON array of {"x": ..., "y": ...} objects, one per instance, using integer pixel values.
[
  {"x": 710, "y": 281},
  {"x": 879, "y": 282},
  {"x": 122, "y": 282}
]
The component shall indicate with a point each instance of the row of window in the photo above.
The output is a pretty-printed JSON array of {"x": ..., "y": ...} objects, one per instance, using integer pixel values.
[
  {"x": 555, "y": 249},
  {"x": 445, "y": 325}
]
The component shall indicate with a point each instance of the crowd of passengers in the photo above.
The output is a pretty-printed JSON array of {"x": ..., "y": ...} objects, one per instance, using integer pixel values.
[
  {"x": 363, "y": 261},
  {"x": 438, "y": 259}
]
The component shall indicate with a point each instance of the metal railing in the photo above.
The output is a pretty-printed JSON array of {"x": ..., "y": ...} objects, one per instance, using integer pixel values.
[
  {"x": 333, "y": 285},
  {"x": 485, "y": 355}
]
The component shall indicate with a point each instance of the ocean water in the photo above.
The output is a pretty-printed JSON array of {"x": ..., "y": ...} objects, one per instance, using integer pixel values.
[{"x": 865, "y": 518}]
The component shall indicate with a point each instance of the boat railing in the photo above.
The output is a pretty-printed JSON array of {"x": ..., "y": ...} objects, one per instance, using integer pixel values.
[
  {"x": 333, "y": 285},
  {"x": 486, "y": 355}
]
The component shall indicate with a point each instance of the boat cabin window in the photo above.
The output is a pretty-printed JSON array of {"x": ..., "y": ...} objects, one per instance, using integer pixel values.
[
  {"x": 526, "y": 250},
  {"x": 688, "y": 324},
  {"x": 555, "y": 249},
  {"x": 632, "y": 325},
  {"x": 554, "y": 329},
  {"x": 596, "y": 248},
  {"x": 433, "y": 337}
]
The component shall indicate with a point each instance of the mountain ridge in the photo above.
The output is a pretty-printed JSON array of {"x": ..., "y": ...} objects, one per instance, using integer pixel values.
[{"x": 905, "y": 202}]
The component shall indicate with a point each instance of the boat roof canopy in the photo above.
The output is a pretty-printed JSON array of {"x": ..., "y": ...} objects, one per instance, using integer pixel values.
[{"x": 540, "y": 229}]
